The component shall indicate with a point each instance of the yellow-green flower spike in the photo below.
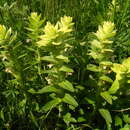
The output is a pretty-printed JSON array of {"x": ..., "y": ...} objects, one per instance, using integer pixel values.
[
  {"x": 2, "y": 33},
  {"x": 50, "y": 33},
  {"x": 54, "y": 34},
  {"x": 106, "y": 31},
  {"x": 66, "y": 24},
  {"x": 101, "y": 48}
]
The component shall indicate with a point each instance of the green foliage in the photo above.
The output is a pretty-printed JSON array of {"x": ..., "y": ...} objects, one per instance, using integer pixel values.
[{"x": 56, "y": 73}]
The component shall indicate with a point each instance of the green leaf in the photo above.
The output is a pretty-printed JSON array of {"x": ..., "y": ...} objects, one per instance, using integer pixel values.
[
  {"x": 106, "y": 115},
  {"x": 47, "y": 89},
  {"x": 51, "y": 104},
  {"x": 81, "y": 119},
  {"x": 118, "y": 121},
  {"x": 126, "y": 62},
  {"x": 13, "y": 38},
  {"x": 114, "y": 87},
  {"x": 126, "y": 118},
  {"x": 126, "y": 127},
  {"x": 66, "y": 85},
  {"x": 106, "y": 78},
  {"x": 96, "y": 44},
  {"x": 67, "y": 119},
  {"x": 32, "y": 91},
  {"x": 63, "y": 58},
  {"x": 57, "y": 43},
  {"x": 93, "y": 68},
  {"x": 106, "y": 96},
  {"x": 66, "y": 69},
  {"x": 33, "y": 119},
  {"x": 107, "y": 50},
  {"x": 48, "y": 59},
  {"x": 117, "y": 68},
  {"x": 2, "y": 114},
  {"x": 71, "y": 107},
  {"x": 80, "y": 87},
  {"x": 70, "y": 100},
  {"x": 106, "y": 63},
  {"x": 90, "y": 101},
  {"x": 22, "y": 103}
]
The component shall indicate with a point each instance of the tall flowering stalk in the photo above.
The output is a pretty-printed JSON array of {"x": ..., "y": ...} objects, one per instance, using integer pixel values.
[{"x": 55, "y": 43}]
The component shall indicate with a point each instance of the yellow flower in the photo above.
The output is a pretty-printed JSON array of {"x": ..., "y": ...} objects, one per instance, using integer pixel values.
[
  {"x": 66, "y": 24},
  {"x": 51, "y": 33},
  {"x": 106, "y": 31},
  {"x": 2, "y": 32}
]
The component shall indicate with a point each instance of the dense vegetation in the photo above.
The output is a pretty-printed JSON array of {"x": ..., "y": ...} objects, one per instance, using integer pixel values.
[{"x": 65, "y": 64}]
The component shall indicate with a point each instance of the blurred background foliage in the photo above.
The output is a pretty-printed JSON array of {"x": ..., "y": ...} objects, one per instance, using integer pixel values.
[{"x": 87, "y": 15}]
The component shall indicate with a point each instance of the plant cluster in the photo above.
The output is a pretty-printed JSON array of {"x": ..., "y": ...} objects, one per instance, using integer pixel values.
[{"x": 56, "y": 75}]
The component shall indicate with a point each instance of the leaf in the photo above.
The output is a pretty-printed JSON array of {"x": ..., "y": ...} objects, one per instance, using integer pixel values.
[
  {"x": 48, "y": 59},
  {"x": 56, "y": 43},
  {"x": 47, "y": 89},
  {"x": 71, "y": 107},
  {"x": 32, "y": 91},
  {"x": 126, "y": 62},
  {"x": 126, "y": 127},
  {"x": 33, "y": 119},
  {"x": 118, "y": 69},
  {"x": 70, "y": 100},
  {"x": 67, "y": 119},
  {"x": 79, "y": 87},
  {"x": 2, "y": 115},
  {"x": 107, "y": 50},
  {"x": 63, "y": 58},
  {"x": 90, "y": 101},
  {"x": 51, "y": 104},
  {"x": 114, "y": 87},
  {"x": 126, "y": 118},
  {"x": 106, "y": 96},
  {"x": 106, "y": 63},
  {"x": 93, "y": 68},
  {"x": 8, "y": 34},
  {"x": 106, "y": 78},
  {"x": 22, "y": 103},
  {"x": 66, "y": 85},
  {"x": 96, "y": 44},
  {"x": 118, "y": 121},
  {"x": 66, "y": 69},
  {"x": 81, "y": 119},
  {"x": 13, "y": 37},
  {"x": 106, "y": 115}
]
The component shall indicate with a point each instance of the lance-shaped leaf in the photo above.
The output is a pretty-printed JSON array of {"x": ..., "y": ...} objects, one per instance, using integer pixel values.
[
  {"x": 106, "y": 96},
  {"x": 114, "y": 87},
  {"x": 106, "y": 78},
  {"x": 70, "y": 100},
  {"x": 106, "y": 115},
  {"x": 66, "y": 85},
  {"x": 62, "y": 58},
  {"x": 53, "y": 103},
  {"x": 66, "y": 69},
  {"x": 93, "y": 68},
  {"x": 47, "y": 89}
]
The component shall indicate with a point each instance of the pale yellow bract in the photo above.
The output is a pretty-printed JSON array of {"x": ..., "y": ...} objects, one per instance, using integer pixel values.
[
  {"x": 53, "y": 33},
  {"x": 106, "y": 31},
  {"x": 2, "y": 32}
]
